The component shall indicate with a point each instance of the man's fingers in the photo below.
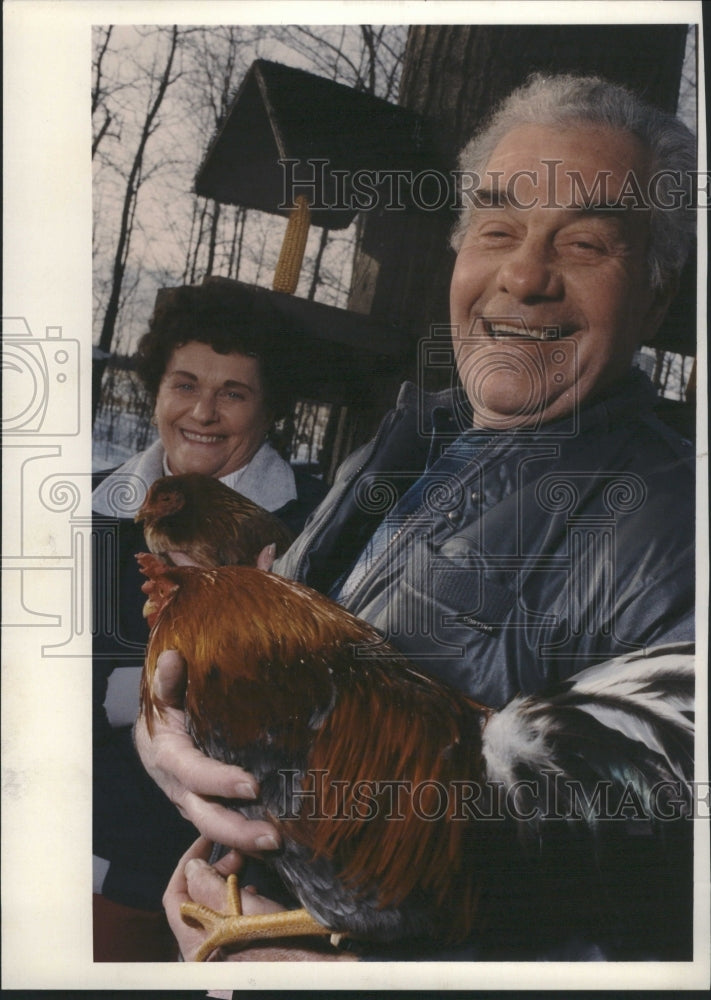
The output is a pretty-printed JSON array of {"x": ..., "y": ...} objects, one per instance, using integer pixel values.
[
  {"x": 205, "y": 885},
  {"x": 176, "y": 891},
  {"x": 225, "y": 826},
  {"x": 194, "y": 783},
  {"x": 179, "y": 558},
  {"x": 266, "y": 557},
  {"x": 189, "y": 939},
  {"x": 170, "y": 678},
  {"x": 252, "y": 902},
  {"x": 194, "y": 879},
  {"x": 201, "y": 774},
  {"x": 230, "y": 863}
]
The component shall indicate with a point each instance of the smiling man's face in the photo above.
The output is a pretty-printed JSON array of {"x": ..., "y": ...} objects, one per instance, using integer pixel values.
[{"x": 550, "y": 295}]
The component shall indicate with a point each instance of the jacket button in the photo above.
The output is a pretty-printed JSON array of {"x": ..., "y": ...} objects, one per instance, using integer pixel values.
[{"x": 475, "y": 496}]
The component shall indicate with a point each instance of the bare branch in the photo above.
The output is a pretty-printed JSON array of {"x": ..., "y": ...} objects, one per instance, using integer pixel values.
[{"x": 128, "y": 213}]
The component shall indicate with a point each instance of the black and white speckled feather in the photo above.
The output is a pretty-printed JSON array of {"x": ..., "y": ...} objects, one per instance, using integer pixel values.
[{"x": 628, "y": 721}]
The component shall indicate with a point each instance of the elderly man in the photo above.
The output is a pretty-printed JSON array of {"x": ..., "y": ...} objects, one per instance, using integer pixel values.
[{"x": 541, "y": 520}]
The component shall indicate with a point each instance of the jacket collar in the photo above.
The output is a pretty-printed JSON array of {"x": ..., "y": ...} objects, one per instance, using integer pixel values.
[
  {"x": 631, "y": 394},
  {"x": 267, "y": 480}
]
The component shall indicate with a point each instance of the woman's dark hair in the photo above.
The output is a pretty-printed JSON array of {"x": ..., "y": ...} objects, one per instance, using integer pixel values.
[{"x": 229, "y": 318}]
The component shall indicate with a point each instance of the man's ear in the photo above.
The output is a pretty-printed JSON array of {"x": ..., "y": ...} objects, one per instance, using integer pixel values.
[{"x": 661, "y": 301}]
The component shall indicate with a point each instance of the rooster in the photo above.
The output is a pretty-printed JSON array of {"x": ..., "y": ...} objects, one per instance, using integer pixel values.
[
  {"x": 404, "y": 805},
  {"x": 197, "y": 519}
]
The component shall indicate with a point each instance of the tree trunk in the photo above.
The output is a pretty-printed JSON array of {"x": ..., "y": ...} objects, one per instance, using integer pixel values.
[
  {"x": 189, "y": 249},
  {"x": 198, "y": 242},
  {"x": 236, "y": 245},
  {"x": 97, "y": 94},
  {"x": 212, "y": 241},
  {"x": 316, "y": 276},
  {"x": 133, "y": 184}
]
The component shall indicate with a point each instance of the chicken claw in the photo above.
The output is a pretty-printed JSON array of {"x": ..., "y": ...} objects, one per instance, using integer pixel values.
[{"x": 234, "y": 927}]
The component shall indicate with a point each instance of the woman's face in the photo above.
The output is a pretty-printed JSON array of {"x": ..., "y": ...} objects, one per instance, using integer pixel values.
[{"x": 210, "y": 410}]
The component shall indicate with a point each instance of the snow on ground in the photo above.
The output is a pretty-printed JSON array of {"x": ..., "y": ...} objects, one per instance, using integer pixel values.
[{"x": 114, "y": 444}]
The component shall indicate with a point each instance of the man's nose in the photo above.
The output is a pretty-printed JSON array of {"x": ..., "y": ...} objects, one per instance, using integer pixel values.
[{"x": 530, "y": 273}]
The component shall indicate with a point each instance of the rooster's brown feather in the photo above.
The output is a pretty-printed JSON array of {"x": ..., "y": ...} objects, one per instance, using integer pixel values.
[{"x": 209, "y": 522}]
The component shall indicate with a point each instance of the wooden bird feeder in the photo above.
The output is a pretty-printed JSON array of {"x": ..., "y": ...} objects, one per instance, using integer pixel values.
[
  {"x": 282, "y": 118},
  {"x": 287, "y": 125},
  {"x": 298, "y": 144}
]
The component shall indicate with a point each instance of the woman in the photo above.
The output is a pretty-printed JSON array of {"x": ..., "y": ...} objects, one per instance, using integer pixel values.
[{"x": 210, "y": 363}]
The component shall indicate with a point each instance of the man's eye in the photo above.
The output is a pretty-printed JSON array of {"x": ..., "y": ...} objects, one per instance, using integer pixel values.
[
  {"x": 495, "y": 235},
  {"x": 590, "y": 247}
]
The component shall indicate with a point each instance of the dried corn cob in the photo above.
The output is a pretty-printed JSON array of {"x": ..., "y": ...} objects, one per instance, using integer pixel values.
[{"x": 286, "y": 275}]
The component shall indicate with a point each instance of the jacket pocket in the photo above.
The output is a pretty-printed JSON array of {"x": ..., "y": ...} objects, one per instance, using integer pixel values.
[{"x": 475, "y": 597}]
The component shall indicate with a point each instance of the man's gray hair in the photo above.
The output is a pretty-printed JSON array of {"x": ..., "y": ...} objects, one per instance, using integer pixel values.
[{"x": 559, "y": 101}]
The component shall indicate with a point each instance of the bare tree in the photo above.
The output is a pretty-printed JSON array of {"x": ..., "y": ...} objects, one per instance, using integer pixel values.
[
  {"x": 235, "y": 257},
  {"x": 130, "y": 201},
  {"x": 98, "y": 94},
  {"x": 219, "y": 57},
  {"x": 365, "y": 57},
  {"x": 151, "y": 139}
]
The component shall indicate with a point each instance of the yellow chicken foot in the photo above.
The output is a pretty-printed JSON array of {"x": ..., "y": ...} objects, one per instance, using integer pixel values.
[{"x": 233, "y": 927}]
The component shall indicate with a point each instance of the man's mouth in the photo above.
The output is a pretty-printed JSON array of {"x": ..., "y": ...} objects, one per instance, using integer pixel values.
[
  {"x": 202, "y": 438},
  {"x": 502, "y": 329}
]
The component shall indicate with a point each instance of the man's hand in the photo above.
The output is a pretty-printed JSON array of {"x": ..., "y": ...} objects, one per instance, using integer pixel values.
[
  {"x": 266, "y": 557},
  {"x": 189, "y": 778},
  {"x": 197, "y": 881}
]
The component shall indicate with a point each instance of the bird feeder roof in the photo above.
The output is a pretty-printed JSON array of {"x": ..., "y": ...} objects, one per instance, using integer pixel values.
[{"x": 281, "y": 113}]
